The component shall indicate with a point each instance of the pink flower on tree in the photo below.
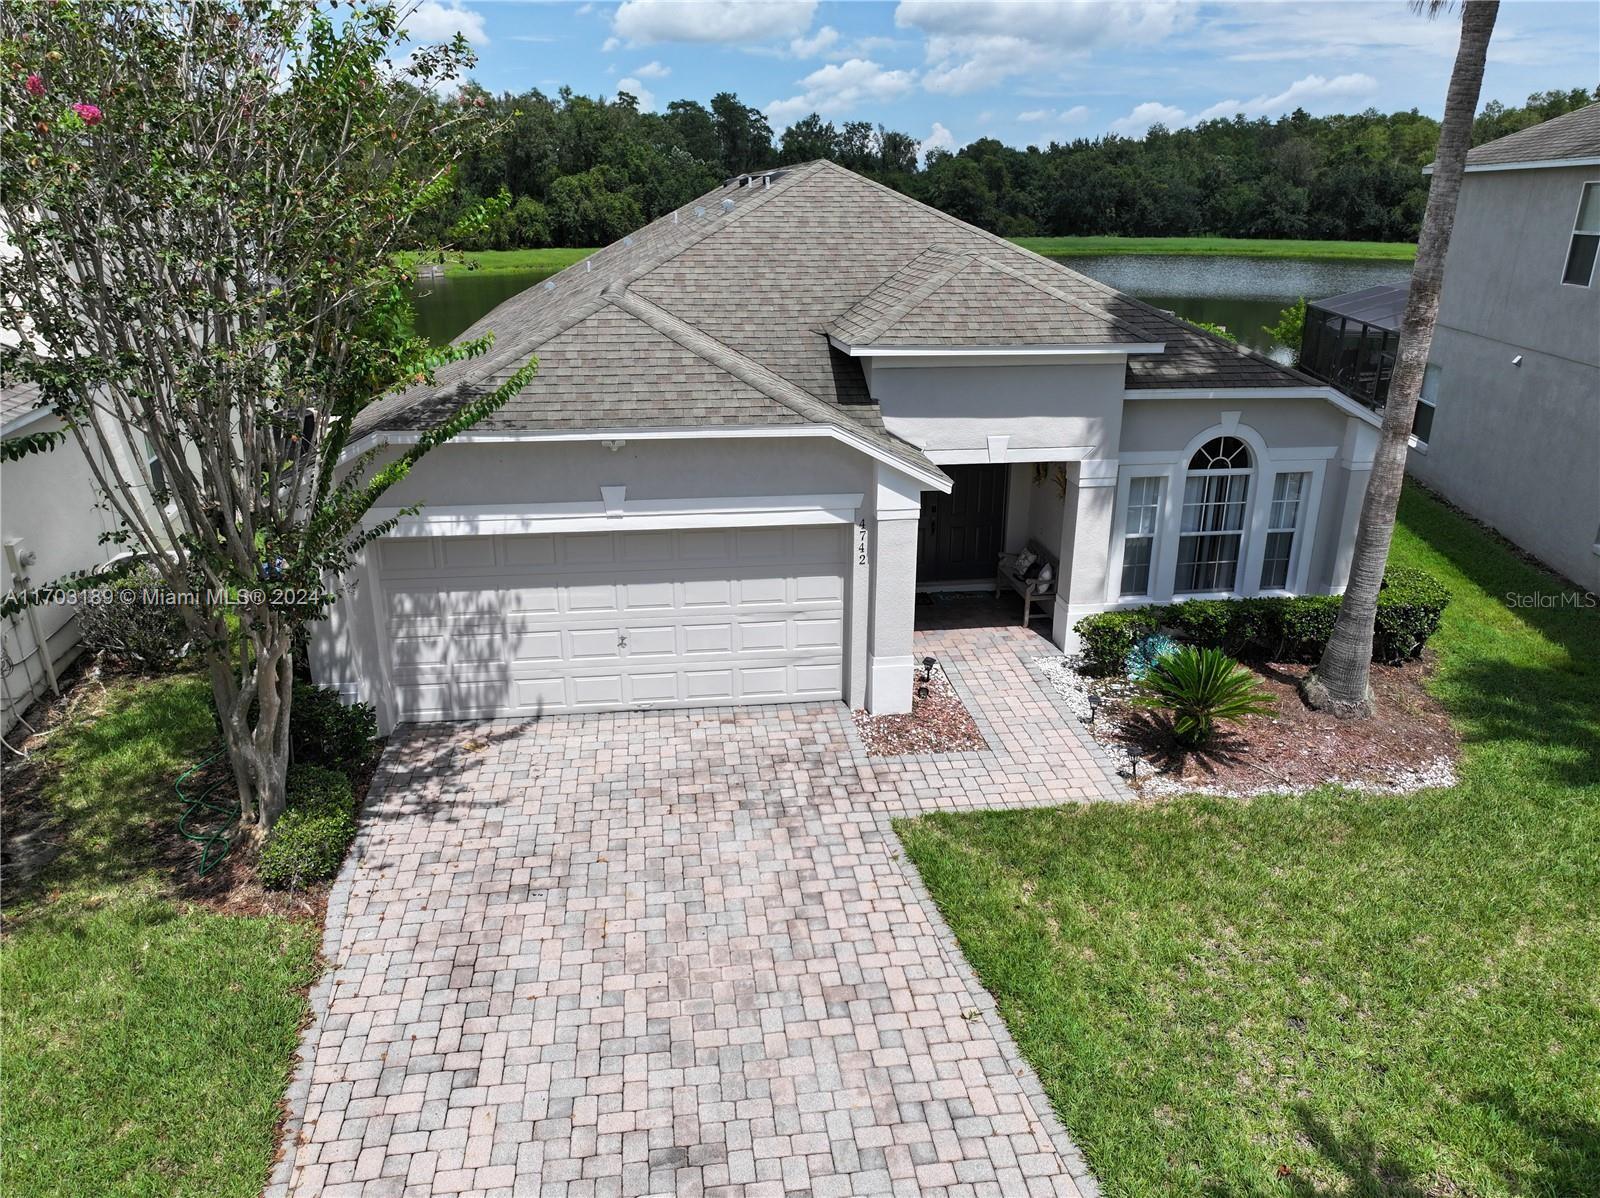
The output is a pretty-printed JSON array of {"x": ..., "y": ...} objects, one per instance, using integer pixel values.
[
  {"x": 35, "y": 85},
  {"x": 90, "y": 113}
]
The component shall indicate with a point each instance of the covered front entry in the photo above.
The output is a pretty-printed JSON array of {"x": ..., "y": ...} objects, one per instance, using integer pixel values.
[
  {"x": 526, "y": 625},
  {"x": 960, "y": 535}
]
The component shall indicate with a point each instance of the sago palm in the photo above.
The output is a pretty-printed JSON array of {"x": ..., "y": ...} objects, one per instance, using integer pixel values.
[{"x": 1202, "y": 687}]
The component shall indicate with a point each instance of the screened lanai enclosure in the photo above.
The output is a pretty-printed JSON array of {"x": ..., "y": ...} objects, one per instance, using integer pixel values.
[{"x": 1351, "y": 340}]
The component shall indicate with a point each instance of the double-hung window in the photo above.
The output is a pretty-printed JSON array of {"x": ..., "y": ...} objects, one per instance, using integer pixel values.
[
  {"x": 1139, "y": 534},
  {"x": 1283, "y": 522},
  {"x": 158, "y": 472},
  {"x": 1215, "y": 501},
  {"x": 1422, "y": 422},
  {"x": 1585, "y": 245}
]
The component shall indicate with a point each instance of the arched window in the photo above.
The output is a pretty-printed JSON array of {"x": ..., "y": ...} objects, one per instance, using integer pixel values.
[{"x": 1215, "y": 500}]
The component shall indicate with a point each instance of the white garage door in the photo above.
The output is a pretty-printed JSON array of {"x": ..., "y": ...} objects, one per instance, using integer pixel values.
[{"x": 519, "y": 625}]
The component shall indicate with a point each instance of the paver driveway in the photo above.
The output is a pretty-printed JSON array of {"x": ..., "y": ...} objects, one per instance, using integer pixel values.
[{"x": 676, "y": 953}]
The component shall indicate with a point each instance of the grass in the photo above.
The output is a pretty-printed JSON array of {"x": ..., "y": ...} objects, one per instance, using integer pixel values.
[
  {"x": 550, "y": 260},
  {"x": 147, "y": 1041},
  {"x": 498, "y": 262},
  {"x": 1331, "y": 993},
  {"x": 1244, "y": 247}
]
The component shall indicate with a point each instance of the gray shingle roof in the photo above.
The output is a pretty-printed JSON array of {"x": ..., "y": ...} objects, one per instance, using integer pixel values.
[
  {"x": 1572, "y": 135},
  {"x": 714, "y": 315},
  {"x": 17, "y": 400}
]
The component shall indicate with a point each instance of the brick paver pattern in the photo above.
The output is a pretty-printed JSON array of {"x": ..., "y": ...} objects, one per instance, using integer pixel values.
[{"x": 677, "y": 953}]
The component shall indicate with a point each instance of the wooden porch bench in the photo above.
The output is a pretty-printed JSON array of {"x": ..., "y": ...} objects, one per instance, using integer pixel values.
[{"x": 1027, "y": 583}]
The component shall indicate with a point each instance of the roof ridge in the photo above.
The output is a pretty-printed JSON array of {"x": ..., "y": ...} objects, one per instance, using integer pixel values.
[
  {"x": 1006, "y": 268},
  {"x": 971, "y": 229},
  {"x": 747, "y": 370},
  {"x": 960, "y": 261}
]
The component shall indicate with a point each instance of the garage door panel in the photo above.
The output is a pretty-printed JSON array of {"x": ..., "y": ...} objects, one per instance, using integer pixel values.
[
  {"x": 529, "y": 624},
  {"x": 652, "y": 641},
  {"x": 707, "y": 592},
  {"x": 592, "y": 597}
]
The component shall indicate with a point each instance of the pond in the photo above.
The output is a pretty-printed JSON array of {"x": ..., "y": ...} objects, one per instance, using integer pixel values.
[{"x": 1241, "y": 294}]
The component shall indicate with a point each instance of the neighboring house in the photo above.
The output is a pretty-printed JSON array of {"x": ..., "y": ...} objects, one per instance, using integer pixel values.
[
  {"x": 1509, "y": 424},
  {"x": 763, "y": 422},
  {"x": 50, "y": 526}
]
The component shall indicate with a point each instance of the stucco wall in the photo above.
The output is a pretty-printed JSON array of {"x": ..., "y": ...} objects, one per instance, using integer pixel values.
[
  {"x": 1503, "y": 277},
  {"x": 47, "y": 504},
  {"x": 1163, "y": 425},
  {"x": 1518, "y": 446},
  {"x": 947, "y": 408}
]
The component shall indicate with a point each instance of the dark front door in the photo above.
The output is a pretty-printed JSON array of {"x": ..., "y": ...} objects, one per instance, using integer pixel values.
[{"x": 961, "y": 534}]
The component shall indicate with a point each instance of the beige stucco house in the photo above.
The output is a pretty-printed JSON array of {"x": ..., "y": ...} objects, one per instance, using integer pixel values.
[{"x": 762, "y": 423}]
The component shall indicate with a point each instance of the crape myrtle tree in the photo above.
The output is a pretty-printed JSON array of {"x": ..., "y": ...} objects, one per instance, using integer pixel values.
[
  {"x": 200, "y": 203},
  {"x": 1341, "y": 681}
]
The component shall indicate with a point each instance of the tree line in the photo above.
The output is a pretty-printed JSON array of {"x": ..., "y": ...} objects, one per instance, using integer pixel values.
[{"x": 571, "y": 170}]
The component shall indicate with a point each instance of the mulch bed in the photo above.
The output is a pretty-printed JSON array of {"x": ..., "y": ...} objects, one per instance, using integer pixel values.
[
  {"x": 33, "y": 835},
  {"x": 1410, "y": 743},
  {"x": 938, "y": 722}
]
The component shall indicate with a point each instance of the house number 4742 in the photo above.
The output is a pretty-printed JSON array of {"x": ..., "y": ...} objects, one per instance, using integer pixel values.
[{"x": 861, "y": 543}]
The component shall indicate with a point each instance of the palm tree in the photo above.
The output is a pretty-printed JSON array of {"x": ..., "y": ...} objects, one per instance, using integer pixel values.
[{"x": 1340, "y": 682}]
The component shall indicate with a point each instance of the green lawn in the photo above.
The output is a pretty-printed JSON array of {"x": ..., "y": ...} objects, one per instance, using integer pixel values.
[
  {"x": 516, "y": 261},
  {"x": 1329, "y": 994},
  {"x": 1246, "y": 247},
  {"x": 147, "y": 1041},
  {"x": 457, "y": 262}
]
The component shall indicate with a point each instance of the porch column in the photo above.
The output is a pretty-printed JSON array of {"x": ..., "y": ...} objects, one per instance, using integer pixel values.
[
  {"x": 897, "y": 506},
  {"x": 1085, "y": 543}
]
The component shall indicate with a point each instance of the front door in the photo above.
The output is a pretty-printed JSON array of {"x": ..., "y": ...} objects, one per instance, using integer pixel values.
[{"x": 961, "y": 534}]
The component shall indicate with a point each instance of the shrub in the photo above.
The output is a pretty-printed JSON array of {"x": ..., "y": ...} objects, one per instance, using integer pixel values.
[
  {"x": 317, "y": 788},
  {"x": 137, "y": 622},
  {"x": 325, "y": 731},
  {"x": 1271, "y": 628},
  {"x": 1144, "y": 656},
  {"x": 306, "y": 845},
  {"x": 1201, "y": 687}
]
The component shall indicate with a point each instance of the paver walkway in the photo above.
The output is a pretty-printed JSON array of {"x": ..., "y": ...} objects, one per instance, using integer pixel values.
[{"x": 677, "y": 953}]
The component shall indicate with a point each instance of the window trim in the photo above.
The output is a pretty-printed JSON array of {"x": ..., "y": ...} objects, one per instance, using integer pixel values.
[
  {"x": 1291, "y": 568},
  {"x": 1173, "y": 466},
  {"x": 1575, "y": 233},
  {"x": 1419, "y": 442},
  {"x": 1124, "y": 506}
]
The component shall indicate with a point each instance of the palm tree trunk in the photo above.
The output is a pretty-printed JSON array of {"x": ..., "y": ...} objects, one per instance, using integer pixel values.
[{"x": 1340, "y": 682}]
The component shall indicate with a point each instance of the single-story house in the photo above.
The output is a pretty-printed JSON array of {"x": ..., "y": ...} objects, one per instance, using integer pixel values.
[
  {"x": 763, "y": 422},
  {"x": 51, "y": 525}
]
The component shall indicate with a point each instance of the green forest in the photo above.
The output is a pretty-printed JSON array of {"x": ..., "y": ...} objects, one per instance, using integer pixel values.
[{"x": 569, "y": 170}]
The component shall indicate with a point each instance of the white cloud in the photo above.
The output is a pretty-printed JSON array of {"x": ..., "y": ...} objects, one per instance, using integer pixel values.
[
  {"x": 432, "y": 21},
  {"x": 809, "y": 47},
  {"x": 643, "y": 22},
  {"x": 1297, "y": 95},
  {"x": 653, "y": 70},
  {"x": 975, "y": 44},
  {"x": 1066, "y": 115},
  {"x": 1137, "y": 122},
  {"x": 646, "y": 98},
  {"x": 842, "y": 87},
  {"x": 610, "y": 44},
  {"x": 939, "y": 138}
]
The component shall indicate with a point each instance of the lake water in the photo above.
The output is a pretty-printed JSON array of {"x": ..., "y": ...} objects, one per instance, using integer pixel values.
[{"x": 1241, "y": 294}]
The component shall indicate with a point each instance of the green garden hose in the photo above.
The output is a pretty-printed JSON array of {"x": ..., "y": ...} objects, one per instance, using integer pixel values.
[{"x": 215, "y": 842}]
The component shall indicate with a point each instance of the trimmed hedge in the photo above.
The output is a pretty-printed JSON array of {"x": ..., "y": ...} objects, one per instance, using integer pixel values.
[
  {"x": 1270, "y": 628},
  {"x": 326, "y": 731},
  {"x": 311, "y": 837}
]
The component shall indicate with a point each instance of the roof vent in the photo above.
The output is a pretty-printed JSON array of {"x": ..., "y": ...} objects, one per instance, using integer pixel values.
[
  {"x": 550, "y": 285},
  {"x": 627, "y": 240},
  {"x": 727, "y": 205},
  {"x": 699, "y": 209}
]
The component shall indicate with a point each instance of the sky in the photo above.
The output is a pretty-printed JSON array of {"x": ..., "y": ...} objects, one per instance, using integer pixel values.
[{"x": 1023, "y": 71}]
